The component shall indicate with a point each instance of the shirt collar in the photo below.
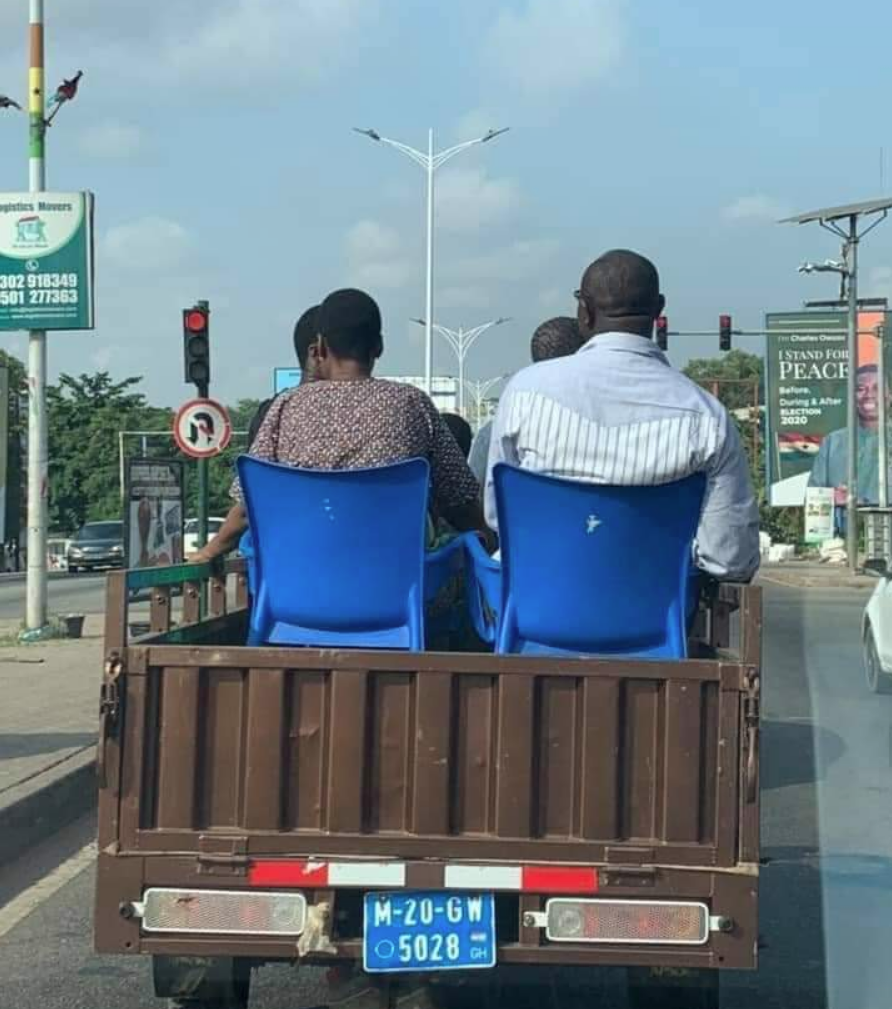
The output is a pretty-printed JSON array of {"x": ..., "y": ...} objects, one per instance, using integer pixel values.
[{"x": 630, "y": 343}]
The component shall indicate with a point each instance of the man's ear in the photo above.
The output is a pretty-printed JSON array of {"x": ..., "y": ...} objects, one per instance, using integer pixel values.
[
  {"x": 320, "y": 347},
  {"x": 584, "y": 318},
  {"x": 379, "y": 349},
  {"x": 661, "y": 305}
]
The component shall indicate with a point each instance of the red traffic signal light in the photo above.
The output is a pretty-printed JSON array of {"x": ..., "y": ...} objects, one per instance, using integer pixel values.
[
  {"x": 197, "y": 347},
  {"x": 724, "y": 332},
  {"x": 663, "y": 332},
  {"x": 196, "y": 321}
]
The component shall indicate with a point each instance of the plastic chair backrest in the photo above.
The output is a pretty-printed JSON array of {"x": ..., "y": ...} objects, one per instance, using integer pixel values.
[
  {"x": 595, "y": 569},
  {"x": 339, "y": 554}
]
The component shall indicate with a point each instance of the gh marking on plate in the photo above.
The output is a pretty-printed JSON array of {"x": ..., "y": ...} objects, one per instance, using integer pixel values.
[{"x": 592, "y": 523}]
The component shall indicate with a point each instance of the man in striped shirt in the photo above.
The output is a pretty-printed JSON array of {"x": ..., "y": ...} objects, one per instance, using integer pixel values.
[{"x": 617, "y": 412}]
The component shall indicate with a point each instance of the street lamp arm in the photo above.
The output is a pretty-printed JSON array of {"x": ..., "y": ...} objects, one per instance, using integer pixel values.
[
  {"x": 452, "y": 338},
  {"x": 415, "y": 155}
]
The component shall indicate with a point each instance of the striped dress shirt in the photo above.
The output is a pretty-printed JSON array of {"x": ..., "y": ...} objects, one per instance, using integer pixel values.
[{"x": 617, "y": 412}]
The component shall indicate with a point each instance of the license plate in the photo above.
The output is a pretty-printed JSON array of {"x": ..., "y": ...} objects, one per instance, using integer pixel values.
[{"x": 419, "y": 931}]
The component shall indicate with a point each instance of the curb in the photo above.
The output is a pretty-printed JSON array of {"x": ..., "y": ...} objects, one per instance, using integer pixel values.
[{"x": 39, "y": 807}]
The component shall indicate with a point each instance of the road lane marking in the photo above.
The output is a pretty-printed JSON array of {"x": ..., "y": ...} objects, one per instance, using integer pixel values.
[{"x": 29, "y": 900}]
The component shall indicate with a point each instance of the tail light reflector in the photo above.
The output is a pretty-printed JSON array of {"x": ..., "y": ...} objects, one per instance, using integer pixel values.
[
  {"x": 224, "y": 912},
  {"x": 635, "y": 922}
]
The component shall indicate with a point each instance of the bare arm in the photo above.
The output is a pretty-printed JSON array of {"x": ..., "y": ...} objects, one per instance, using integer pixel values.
[{"x": 227, "y": 538}]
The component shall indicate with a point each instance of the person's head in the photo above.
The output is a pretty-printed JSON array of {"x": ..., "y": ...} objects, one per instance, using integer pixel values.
[
  {"x": 867, "y": 395},
  {"x": 349, "y": 334},
  {"x": 558, "y": 337},
  {"x": 306, "y": 331},
  {"x": 619, "y": 292},
  {"x": 461, "y": 431}
]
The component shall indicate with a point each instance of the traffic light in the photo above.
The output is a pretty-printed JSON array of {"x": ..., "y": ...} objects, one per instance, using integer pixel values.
[
  {"x": 197, "y": 346},
  {"x": 662, "y": 332},
  {"x": 724, "y": 332}
]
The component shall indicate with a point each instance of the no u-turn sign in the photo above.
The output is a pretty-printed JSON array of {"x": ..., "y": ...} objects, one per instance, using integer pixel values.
[{"x": 201, "y": 428}]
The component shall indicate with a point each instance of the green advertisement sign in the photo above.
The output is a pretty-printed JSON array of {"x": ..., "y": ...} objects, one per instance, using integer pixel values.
[
  {"x": 806, "y": 370},
  {"x": 46, "y": 261}
]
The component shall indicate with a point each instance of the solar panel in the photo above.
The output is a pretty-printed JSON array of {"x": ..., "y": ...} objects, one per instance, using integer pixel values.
[{"x": 847, "y": 210}]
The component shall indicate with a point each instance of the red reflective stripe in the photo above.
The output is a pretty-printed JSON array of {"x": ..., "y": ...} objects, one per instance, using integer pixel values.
[
  {"x": 288, "y": 872},
  {"x": 555, "y": 879}
]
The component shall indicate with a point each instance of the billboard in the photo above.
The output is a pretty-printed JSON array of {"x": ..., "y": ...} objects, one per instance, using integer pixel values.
[
  {"x": 153, "y": 516},
  {"x": 806, "y": 371}
]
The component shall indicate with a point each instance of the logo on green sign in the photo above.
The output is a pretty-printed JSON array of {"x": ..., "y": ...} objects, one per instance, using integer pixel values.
[{"x": 30, "y": 233}]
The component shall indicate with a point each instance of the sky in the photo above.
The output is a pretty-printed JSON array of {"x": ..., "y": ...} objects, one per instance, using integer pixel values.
[{"x": 217, "y": 139}]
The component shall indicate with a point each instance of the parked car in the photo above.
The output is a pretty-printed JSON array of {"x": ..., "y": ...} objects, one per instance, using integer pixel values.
[
  {"x": 190, "y": 533},
  {"x": 876, "y": 633},
  {"x": 97, "y": 545}
]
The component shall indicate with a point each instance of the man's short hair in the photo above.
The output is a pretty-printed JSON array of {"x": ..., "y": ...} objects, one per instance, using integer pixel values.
[
  {"x": 350, "y": 322},
  {"x": 622, "y": 284},
  {"x": 558, "y": 337},
  {"x": 305, "y": 332},
  {"x": 461, "y": 431},
  {"x": 867, "y": 369}
]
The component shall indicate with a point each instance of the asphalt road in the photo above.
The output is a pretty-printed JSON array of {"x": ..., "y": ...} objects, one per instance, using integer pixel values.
[
  {"x": 67, "y": 594},
  {"x": 826, "y": 895}
]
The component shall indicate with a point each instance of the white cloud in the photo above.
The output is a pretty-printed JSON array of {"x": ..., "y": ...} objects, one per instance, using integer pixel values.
[
  {"x": 464, "y": 296},
  {"x": 375, "y": 256},
  {"x": 519, "y": 261},
  {"x": 112, "y": 140},
  {"x": 148, "y": 244},
  {"x": 757, "y": 207},
  {"x": 551, "y": 46},
  {"x": 467, "y": 199},
  {"x": 229, "y": 44}
]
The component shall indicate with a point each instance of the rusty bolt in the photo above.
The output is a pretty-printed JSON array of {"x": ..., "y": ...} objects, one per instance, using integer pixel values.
[
  {"x": 725, "y": 924},
  {"x": 529, "y": 920}
]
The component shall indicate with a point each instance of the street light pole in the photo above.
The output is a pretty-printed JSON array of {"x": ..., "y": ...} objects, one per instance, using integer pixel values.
[
  {"x": 461, "y": 340},
  {"x": 479, "y": 389},
  {"x": 430, "y": 162},
  {"x": 38, "y": 466}
]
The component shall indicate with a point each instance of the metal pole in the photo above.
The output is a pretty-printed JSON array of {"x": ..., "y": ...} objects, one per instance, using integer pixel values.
[
  {"x": 36, "y": 586},
  {"x": 461, "y": 373},
  {"x": 852, "y": 412},
  {"x": 429, "y": 292},
  {"x": 882, "y": 445},
  {"x": 121, "y": 462},
  {"x": 202, "y": 502}
]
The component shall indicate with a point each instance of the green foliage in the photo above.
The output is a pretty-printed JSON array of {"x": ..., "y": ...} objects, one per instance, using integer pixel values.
[
  {"x": 731, "y": 377},
  {"x": 18, "y": 423},
  {"x": 85, "y": 414}
]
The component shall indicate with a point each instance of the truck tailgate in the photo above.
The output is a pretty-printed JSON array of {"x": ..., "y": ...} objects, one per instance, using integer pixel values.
[{"x": 447, "y": 756}]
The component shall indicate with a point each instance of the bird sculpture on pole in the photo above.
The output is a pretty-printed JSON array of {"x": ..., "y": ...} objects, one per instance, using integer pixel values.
[
  {"x": 65, "y": 92},
  {"x": 8, "y": 103}
]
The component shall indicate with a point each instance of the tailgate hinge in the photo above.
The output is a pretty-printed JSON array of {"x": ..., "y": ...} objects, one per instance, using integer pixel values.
[
  {"x": 222, "y": 856},
  {"x": 109, "y": 712}
]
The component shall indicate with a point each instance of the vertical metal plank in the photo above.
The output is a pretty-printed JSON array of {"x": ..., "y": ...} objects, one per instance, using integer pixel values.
[
  {"x": 134, "y": 744},
  {"x": 159, "y": 610},
  {"x": 392, "y": 750},
  {"x": 178, "y": 748},
  {"x": 116, "y": 611},
  {"x": 681, "y": 781},
  {"x": 306, "y": 749},
  {"x": 600, "y": 765},
  {"x": 264, "y": 753},
  {"x": 191, "y": 602},
  {"x": 222, "y": 755},
  {"x": 433, "y": 729},
  {"x": 709, "y": 745},
  {"x": 728, "y": 770},
  {"x": 557, "y": 767},
  {"x": 346, "y": 769},
  {"x": 473, "y": 757},
  {"x": 751, "y": 625},
  {"x": 217, "y": 587},
  {"x": 514, "y": 757},
  {"x": 640, "y": 756}
]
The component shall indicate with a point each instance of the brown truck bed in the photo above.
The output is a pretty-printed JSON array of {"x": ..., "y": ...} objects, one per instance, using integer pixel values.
[{"x": 215, "y": 755}]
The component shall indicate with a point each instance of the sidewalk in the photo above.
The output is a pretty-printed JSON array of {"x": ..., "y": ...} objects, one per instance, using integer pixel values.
[
  {"x": 815, "y": 575},
  {"x": 49, "y": 696}
]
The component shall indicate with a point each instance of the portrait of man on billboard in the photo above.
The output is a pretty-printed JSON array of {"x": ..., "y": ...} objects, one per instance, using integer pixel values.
[{"x": 830, "y": 468}]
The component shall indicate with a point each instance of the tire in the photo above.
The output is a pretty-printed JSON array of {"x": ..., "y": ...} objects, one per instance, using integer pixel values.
[
  {"x": 73, "y": 569},
  {"x": 681, "y": 989},
  {"x": 202, "y": 982},
  {"x": 878, "y": 682}
]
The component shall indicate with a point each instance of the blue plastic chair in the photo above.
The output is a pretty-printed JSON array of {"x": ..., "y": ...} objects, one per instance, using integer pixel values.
[
  {"x": 483, "y": 590},
  {"x": 246, "y": 550},
  {"x": 589, "y": 569},
  {"x": 339, "y": 558}
]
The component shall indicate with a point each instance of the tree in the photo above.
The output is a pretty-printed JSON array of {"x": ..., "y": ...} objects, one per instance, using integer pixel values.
[
  {"x": 15, "y": 466},
  {"x": 85, "y": 414},
  {"x": 731, "y": 377}
]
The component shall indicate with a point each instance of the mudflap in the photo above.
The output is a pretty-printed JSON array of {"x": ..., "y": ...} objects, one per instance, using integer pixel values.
[{"x": 197, "y": 982}]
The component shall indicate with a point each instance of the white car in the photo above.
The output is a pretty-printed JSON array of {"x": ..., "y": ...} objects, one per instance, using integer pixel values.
[
  {"x": 876, "y": 634},
  {"x": 190, "y": 533}
]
